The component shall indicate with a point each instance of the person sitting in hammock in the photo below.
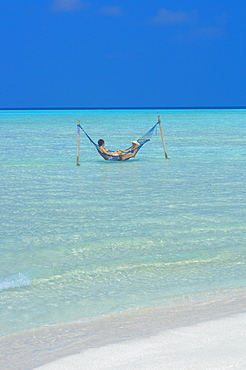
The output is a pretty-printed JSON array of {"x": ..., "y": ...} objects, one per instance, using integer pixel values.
[
  {"x": 131, "y": 151},
  {"x": 101, "y": 144}
]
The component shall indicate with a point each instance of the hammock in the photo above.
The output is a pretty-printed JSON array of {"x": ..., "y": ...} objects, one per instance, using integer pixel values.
[{"x": 124, "y": 156}]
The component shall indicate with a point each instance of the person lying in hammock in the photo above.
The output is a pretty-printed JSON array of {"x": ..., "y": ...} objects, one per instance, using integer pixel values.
[{"x": 131, "y": 151}]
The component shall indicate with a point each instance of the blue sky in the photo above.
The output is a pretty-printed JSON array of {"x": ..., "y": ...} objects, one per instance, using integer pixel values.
[{"x": 88, "y": 54}]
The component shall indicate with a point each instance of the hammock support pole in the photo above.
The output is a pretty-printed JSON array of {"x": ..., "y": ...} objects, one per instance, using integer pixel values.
[
  {"x": 162, "y": 136},
  {"x": 78, "y": 144}
]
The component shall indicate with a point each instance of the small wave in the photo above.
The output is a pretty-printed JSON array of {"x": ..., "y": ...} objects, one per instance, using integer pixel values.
[{"x": 14, "y": 281}]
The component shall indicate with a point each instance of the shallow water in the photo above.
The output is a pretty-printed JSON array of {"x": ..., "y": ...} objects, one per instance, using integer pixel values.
[{"x": 105, "y": 237}]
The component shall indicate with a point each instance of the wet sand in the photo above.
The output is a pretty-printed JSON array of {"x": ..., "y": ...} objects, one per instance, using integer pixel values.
[{"x": 177, "y": 335}]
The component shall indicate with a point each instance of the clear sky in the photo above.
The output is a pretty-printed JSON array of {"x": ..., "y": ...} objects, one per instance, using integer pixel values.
[{"x": 122, "y": 53}]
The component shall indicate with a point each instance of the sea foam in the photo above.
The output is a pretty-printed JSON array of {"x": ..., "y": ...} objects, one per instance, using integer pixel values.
[{"x": 14, "y": 281}]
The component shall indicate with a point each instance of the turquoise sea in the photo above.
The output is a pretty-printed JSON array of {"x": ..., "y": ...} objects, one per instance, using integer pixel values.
[{"x": 81, "y": 242}]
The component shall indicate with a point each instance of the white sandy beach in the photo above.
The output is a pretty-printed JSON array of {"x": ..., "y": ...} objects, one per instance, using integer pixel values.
[
  {"x": 146, "y": 271},
  {"x": 207, "y": 334},
  {"x": 216, "y": 344}
]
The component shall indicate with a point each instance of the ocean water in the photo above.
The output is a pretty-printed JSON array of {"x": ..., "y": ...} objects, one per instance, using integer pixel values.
[{"x": 82, "y": 242}]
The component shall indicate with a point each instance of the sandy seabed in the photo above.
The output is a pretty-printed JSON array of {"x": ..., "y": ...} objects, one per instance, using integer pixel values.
[
  {"x": 205, "y": 334},
  {"x": 218, "y": 344}
]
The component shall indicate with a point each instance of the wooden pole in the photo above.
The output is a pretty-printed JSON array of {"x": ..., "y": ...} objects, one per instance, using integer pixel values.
[
  {"x": 162, "y": 136},
  {"x": 78, "y": 144}
]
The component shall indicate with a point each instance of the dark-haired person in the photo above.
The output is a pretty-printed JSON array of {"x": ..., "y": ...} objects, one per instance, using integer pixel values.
[
  {"x": 131, "y": 152},
  {"x": 101, "y": 144}
]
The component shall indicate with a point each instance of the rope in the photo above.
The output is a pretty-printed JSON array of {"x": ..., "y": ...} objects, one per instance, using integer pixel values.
[{"x": 142, "y": 140}]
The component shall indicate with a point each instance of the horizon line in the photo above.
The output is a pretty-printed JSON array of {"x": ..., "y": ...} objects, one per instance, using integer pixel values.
[{"x": 126, "y": 108}]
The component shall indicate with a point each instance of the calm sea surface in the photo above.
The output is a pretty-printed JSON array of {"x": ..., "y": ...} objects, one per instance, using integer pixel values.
[{"x": 78, "y": 242}]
